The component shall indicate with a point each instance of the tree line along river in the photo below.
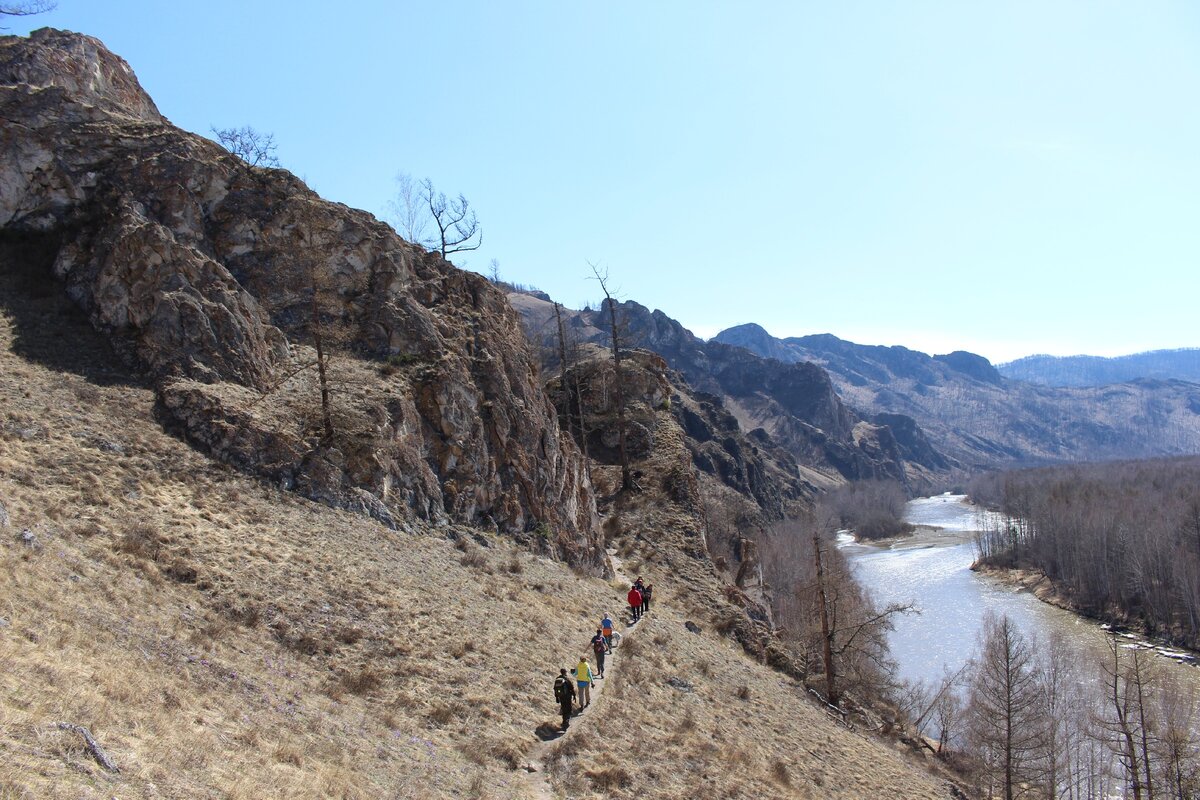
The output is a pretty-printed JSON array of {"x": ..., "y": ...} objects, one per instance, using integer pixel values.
[{"x": 932, "y": 569}]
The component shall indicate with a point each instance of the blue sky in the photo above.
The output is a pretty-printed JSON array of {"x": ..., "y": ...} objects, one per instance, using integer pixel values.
[{"x": 1007, "y": 178}]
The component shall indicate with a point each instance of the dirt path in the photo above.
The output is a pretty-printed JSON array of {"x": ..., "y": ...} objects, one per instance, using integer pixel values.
[{"x": 536, "y": 778}]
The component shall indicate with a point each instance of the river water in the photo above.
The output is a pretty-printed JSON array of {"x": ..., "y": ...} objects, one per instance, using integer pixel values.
[{"x": 931, "y": 569}]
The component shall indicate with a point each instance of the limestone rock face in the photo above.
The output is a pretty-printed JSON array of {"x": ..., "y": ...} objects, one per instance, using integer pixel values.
[
  {"x": 83, "y": 68},
  {"x": 218, "y": 278}
]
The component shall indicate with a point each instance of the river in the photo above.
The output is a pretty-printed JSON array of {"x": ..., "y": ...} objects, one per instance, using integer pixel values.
[{"x": 931, "y": 569}]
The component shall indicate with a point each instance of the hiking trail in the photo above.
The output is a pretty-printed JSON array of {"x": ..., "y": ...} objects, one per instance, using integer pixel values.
[{"x": 533, "y": 773}]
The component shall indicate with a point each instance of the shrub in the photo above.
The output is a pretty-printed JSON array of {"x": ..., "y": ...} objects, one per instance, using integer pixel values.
[
  {"x": 365, "y": 681},
  {"x": 141, "y": 540},
  {"x": 609, "y": 778},
  {"x": 444, "y": 713}
]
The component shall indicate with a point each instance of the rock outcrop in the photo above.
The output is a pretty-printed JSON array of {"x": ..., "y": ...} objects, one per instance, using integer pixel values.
[
  {"x": 751, "y": 464},
  {"x": 218, "y": 278},
  {"x": 796, "y": 404}
]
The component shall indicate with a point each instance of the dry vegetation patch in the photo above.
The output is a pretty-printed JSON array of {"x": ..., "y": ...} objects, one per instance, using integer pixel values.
[
  {"x": 222, "y": 638},
  {"x": 225, "y": 639}
]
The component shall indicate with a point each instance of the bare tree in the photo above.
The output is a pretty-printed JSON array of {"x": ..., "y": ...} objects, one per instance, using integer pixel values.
[
  {"x": 601, "y": 277},
  {"x": 426, "y": 217},
  {"x": 832, "y": 695},
  {"x": 256, "y": 149},
  {"x": 852, "y": 630},
  {"x": 948, "y": 712},
  {"x": 1005, "y": 708},
  {"x": 1127, "y": 678},
  {"x": 26, "y": 8},
  {"x": 1178, "y": 745},
  {"x": 318, "y": 290},
  {"x": 565, "y": 371},
  {"x": 939, "y": 703},
  {"x": 317, "y": 282},
  {"x": 457, "y": 228},
  {"x": 1057, "y": 677},
  {"x": 409, "y": 211}
]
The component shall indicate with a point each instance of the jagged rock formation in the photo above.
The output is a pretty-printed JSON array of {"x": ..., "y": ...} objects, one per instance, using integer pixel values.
[
  {"x": 216, "y": 277},
  {"x": 795, "y": 404},
  {"x": 700, "y": 484},
  {"x": 981, "y": 419},
  {"x": 752, "y": 465}
]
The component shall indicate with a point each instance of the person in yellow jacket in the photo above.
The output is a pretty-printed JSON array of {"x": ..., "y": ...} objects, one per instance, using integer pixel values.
[{"x": 584, "y": 680}]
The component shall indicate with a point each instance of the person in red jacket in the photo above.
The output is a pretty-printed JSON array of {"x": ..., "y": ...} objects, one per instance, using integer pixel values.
[{"x": 635, "y": 602}]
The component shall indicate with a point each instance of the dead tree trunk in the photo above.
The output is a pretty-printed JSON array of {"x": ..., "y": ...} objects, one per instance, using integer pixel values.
[
  {"x": 831, "y": 692},
  {"x": 91, "y": 745},
  {"x": 618, "y": 382},
  {"x": 562, "y": 357}
]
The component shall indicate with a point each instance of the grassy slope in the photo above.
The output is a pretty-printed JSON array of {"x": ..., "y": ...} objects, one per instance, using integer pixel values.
[{"x": 222, "y": 638}]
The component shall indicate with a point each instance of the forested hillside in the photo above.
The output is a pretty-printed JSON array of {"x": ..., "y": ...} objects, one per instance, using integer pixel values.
[
  {"x": 1182, "y": 364},
  {"x": 1121, "y": 539}
]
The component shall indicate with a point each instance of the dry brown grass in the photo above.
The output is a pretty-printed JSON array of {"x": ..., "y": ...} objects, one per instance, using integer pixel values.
[
  {"x": 225, "y": 639},
  {"x": 741, "y": 730}
]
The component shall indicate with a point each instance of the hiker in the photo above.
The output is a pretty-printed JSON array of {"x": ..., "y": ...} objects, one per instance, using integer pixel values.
[
  {"x": 646, "y": 595},
  {"x": 606, "y": 627},
  {"x": 599, "y": 647},
  {"x": 564, "y": 693},
  {"x": 584, "y": 680},
  {"x": 635, "y": 602}
]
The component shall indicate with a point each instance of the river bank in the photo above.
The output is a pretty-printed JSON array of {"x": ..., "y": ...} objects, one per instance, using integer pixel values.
[
  {"x": 931, "y": 569},
  {"x": 1038, "y": 584}
]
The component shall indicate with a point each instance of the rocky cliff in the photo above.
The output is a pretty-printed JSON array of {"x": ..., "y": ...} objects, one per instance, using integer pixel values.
[
  {"x": 750, "y": 464},
  {"x": 217, "y": 279}
]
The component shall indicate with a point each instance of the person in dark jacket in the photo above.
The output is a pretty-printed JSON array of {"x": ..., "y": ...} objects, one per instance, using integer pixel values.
[
  {"x": 635, "y": 602},
  {"x": 564, "y": 693},
  {"x": 599, "y": 647},
  {"x": 646, "y": 595}
]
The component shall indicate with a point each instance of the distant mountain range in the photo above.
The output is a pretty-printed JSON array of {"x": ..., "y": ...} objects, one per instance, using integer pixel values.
[
  {"x": 1182, "y": 364},
  {"x": 978, "y": 417},
  {"x": 870, "y": 411}
]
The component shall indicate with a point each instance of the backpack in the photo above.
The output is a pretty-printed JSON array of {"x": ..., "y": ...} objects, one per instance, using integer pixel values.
[
  {"x": 560, "y": 688},
  {"x": 599, "y": 645}
]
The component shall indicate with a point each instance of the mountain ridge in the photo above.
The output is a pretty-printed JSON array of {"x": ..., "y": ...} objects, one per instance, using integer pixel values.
[
  {"x": 1181, "y": 363},
  {"x": 981, "y": 419}
]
